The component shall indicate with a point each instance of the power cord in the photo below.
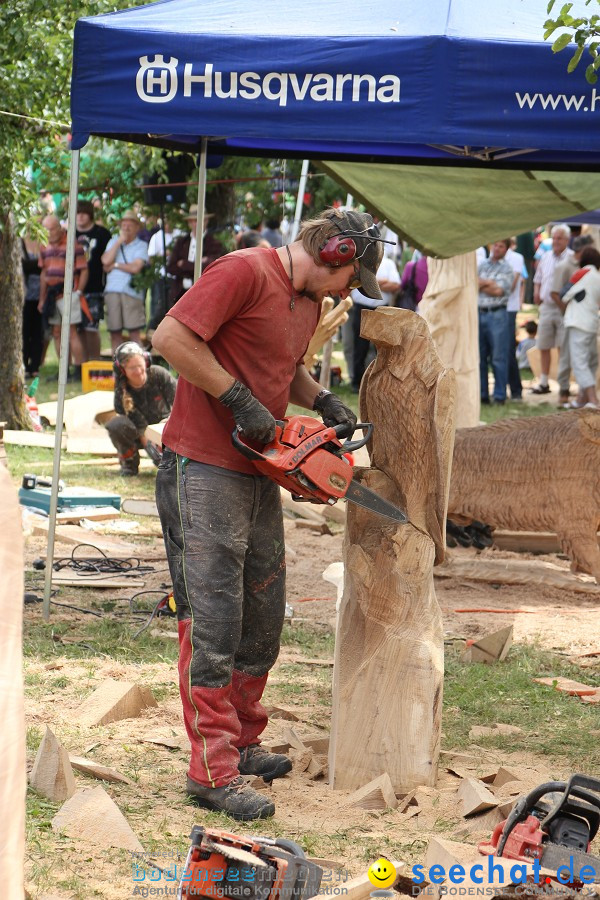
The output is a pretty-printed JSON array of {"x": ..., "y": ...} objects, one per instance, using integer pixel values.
[{"x": 103, "y": 565}]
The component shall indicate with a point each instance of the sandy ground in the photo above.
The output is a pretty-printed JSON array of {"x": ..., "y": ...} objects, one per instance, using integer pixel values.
[{"x": 307, "y": 809}]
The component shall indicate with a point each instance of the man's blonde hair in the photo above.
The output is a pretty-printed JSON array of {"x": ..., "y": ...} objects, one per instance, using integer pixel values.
[{"x": 314, "y": 233}]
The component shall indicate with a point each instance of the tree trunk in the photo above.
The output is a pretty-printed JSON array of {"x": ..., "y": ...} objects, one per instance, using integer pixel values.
[
  {"x": 13, "y": 410},
  {"x": 389, "y": 653}
]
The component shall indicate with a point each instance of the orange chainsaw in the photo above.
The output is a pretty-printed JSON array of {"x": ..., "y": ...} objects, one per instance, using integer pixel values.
[
  {"x": 223, "y": 865},
  {"x": 308, "y": 459}
]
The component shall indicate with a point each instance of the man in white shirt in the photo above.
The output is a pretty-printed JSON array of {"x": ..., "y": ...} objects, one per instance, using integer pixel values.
[
  {"x": 125, "y": 256},
  {"x": 517, "y": 264},
  {"x": 550, "y": 327},
  {"x": 159, "y": 244},
  {"x": 389, "y": 283}
]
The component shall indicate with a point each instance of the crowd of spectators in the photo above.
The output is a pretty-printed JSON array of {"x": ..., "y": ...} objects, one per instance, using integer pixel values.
[{"x": 132, "y": 278}]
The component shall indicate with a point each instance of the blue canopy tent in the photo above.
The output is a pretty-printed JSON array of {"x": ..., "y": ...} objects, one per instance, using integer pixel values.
[
  {"x": 442, "y": 80},
  {"x": 460, "y": 82}
]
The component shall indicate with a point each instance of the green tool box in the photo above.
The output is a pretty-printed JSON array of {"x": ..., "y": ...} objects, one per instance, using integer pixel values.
[{"x": 68, "y": 498}]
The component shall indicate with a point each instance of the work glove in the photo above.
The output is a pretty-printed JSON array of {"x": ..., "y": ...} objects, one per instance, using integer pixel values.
[
  {"x": 333, "y": 411},
  {"x": 154, "y": 452},
  {"x": 249, "y": 414}
]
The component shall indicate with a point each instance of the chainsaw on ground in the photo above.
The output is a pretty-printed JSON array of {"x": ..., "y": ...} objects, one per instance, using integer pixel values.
[
  {"x": 308, "y": 459},
  {"x": 557, "y": 832},
  {"x": 223, "y": 865}
]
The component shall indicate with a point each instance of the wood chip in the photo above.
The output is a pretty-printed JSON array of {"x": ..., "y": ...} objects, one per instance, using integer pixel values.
[
  {"x": 377, "y": 794},
  {"x": 568, "y": 686},
  {"x": 97, "y": 770},
  {"x": 475, "y": 797},
  {"x": 90, "y": 815}
]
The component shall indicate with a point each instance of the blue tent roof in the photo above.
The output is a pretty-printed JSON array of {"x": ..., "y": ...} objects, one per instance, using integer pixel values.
[{"x": 433, "y": 80}]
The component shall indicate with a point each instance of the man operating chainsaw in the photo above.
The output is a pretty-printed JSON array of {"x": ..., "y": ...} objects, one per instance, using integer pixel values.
[{"x": 237, "y": 338}]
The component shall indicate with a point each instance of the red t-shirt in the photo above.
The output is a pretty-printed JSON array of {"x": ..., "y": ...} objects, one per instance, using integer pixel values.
[{"x": 241, "y": 308}]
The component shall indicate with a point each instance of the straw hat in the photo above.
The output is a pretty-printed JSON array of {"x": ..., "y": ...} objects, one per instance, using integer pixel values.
[
  {"x": 131, "y": 215},
  {"x": 193, "y": 213}
]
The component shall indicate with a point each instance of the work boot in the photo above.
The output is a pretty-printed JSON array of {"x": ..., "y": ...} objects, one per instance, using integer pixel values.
[
  {"x": 130, "y": 464},
  {"x": 256, "y": 760},
  {"x": 236, "y": 799}
]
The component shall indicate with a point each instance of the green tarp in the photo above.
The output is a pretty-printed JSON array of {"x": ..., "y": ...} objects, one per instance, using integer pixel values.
[{"x": 446, "y": 211}]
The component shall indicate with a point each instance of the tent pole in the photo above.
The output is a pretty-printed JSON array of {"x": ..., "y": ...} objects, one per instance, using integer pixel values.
[
  {"x": 63, "y": 369},
  {"x": 201, "y": 208},
  {"x": 299, "y": 201}
]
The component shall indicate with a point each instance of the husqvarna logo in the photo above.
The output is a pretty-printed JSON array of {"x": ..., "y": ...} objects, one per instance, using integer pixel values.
[{"x": 156, "y": 80}]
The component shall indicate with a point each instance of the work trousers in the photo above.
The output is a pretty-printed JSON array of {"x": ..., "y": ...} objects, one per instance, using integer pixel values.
[
  {"x": 223, "y": 533},
  {"x": 33, "y": 337},
  {"x": 124, "y": 436},
  {"x": 493, "y": 341},
  {"x": 513, "y": 374}
]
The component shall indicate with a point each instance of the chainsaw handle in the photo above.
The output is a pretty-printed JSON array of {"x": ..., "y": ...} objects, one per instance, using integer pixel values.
[
  {"x": 244, "y": 449},
  {"x": 349, "y": 446}
]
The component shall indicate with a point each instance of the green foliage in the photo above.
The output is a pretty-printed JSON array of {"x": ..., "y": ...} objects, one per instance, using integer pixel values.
[
  {"x": 581, "y": 31},
  {"x": 36, "y": 48}
]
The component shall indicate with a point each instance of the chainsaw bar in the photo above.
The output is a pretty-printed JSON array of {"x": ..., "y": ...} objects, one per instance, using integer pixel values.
[
  {"x": 555, "y": 855},
  {"x": 365, "y": 497},
  {"x": 235, "y": 853}
]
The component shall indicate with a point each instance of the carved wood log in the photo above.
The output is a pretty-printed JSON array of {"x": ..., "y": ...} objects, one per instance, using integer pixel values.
[
  {"x": 388, "y": 671},
  {"x": 451, "y": 297},
  {"x": 534, "y": 474}
]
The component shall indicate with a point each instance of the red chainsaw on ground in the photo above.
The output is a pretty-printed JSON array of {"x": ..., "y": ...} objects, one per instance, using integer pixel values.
[
  {"x": 308, "y": 459},
  {"x": 225, "y": 866},
  {"x": 557, "y": 832}
]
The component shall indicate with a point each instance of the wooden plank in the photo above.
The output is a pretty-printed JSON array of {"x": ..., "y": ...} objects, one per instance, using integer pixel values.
[
  {"x": 568, "y": 686},
  {"x": 93, "y": 513},
  {"x": 31, "y": 439},
  {"x": 154, "y": 432},
  {"x": 81, "y": 581},
  {"x": 97, "y": 770},
  {"x": 73, "y": 534},
  {"x": 528, "y": 541},
  {"x": 93, "y": 443},
  {"x": 516, "y": 571},
  {"x": 80, "y": 412}
]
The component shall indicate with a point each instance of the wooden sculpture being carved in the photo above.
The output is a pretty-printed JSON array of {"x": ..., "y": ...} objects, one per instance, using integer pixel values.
[
  {"x": 388, "y": 672},
  {"x": 449, "y": 306},
  {"x": 533, "y": 474}
]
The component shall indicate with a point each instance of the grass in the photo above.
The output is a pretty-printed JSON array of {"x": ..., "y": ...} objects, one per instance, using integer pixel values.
[
  {"x": 85, "y": 637},
  {"x": 554, "y": 725}
]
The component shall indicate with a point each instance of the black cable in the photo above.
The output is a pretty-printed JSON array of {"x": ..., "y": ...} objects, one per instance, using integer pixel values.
[
  {"x": 152, "y": 614},
  {"x": 102, "y": 565}
]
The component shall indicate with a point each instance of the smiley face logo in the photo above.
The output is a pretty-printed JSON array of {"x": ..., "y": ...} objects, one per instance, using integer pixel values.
[{"x": 382, "y": 873}]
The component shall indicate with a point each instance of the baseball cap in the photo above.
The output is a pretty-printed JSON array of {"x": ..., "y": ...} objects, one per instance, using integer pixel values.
[{"x": 369, "y": 249}]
